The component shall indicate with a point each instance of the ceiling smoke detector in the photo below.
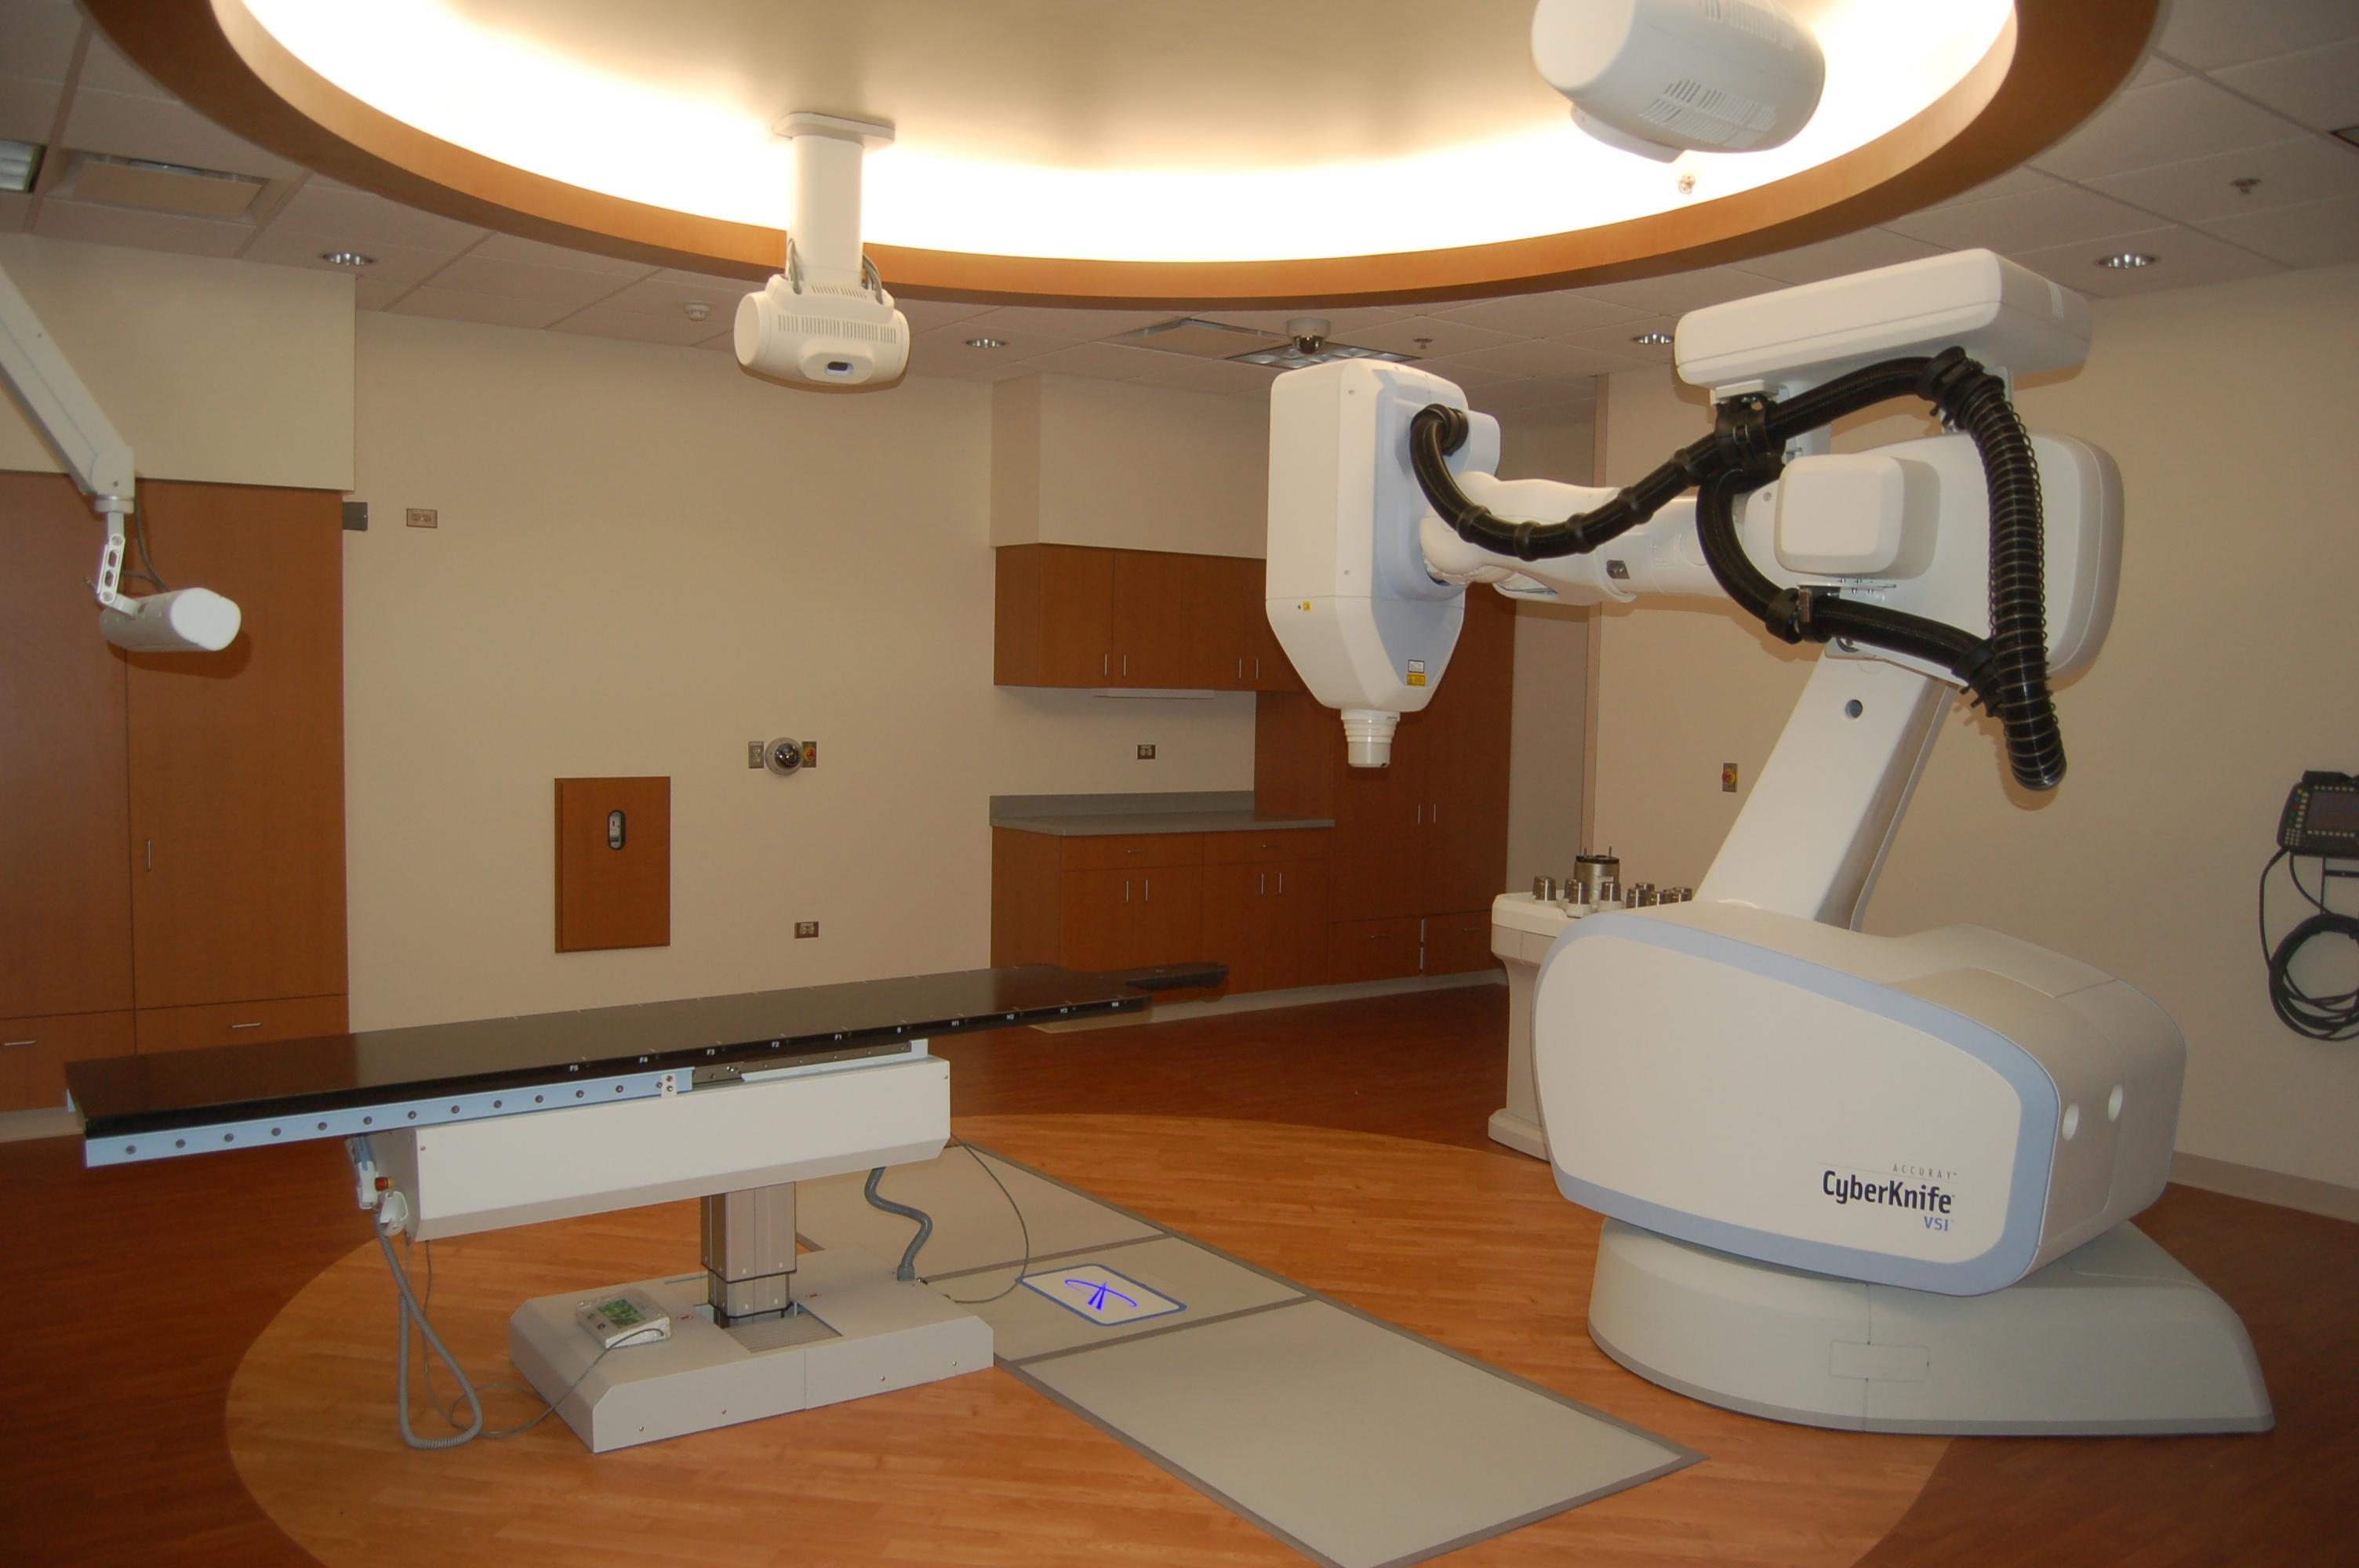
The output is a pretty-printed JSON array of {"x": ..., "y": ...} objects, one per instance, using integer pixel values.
[
  {"x": 696, "y": 311},
  {"x": 2127, "y": 260},
  {"x": 1653, "y": 340},
  {"x": 347, "y": 258}
]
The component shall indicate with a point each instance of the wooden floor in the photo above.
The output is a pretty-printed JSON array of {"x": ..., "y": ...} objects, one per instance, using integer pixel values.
[{"x": 140, "y": 1291}]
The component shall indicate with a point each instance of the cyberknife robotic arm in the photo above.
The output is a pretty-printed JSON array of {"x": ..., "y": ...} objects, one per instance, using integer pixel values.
[{"x": 1922, "y": 1118}]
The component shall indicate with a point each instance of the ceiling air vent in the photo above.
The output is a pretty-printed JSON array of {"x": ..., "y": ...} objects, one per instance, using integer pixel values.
[
  {"x": 164, "y": 187},
  {"x": 1203, "y": 340}
]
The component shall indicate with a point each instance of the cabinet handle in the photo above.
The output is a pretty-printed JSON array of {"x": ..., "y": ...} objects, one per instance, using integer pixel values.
[
  {"x": 12, "y": 1045},
  {"x": 151, "y": 854},
  {"x": 1241, "y": 667},
  {"x": 1125, "y": 890},
  {"x": 1436, "y": 817},
  {"x": 1140, "y": 850},
  {"x": 1281, "y": 882},
  {"x": 1419, "y": 821},
  {"x": 256, "y": 1024},
  {"x": 1105, "y": 664},
  {"x": 1265, "y": 883},
  {"x": 1257, "y": 667},
  {"x": 1147, "y": 883},
  {"x": 1126, "y": 667}
]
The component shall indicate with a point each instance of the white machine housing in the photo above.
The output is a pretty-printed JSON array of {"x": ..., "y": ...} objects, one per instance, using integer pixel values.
[
  {"x": 1944, "y": 1111},
  {"x": 826, "y": 319},
  {"x": 1662, "y": 77}
]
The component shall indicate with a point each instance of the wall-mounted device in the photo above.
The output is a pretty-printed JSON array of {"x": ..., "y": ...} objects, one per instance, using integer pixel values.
[
  {"x": 826, "y": 321},
  {"x": 1662, "y": 77},
  {"x": 95, "y": 454},
  {"x": 2320, "y": 822},
  {"x": 2322, "y": 816},
  {"x": 786, "y": 755}
]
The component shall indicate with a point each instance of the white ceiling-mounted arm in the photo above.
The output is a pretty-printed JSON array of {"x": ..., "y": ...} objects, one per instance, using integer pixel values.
[
  {"x": 826, "y": 321},
  {"x": 61, "y": 407}
]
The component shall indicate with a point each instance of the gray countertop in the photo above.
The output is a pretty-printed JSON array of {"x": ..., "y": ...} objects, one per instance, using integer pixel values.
[{"x": 1100, "y": 815}]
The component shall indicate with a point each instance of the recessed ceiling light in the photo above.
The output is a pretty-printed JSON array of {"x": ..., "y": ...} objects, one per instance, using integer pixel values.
[
  {"x": 1652, "y": 340},
  {"x": 2127, "y": 260},
  {"x": 347, "y": 258},
  {"x": 986, "y": 342},
  {"x": 20, "y": 165}
]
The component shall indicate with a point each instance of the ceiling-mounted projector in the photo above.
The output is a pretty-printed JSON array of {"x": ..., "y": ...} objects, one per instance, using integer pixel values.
[
  {"x": 826, "y": 321},
  {"x": 1662, "y": 77}
]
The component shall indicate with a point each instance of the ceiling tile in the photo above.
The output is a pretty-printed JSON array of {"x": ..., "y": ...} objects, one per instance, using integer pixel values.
[
  {"x": 1551, "y": 315},
  {"x": 28, "y": 109},
  {"x": 511, "y": 248},
  {"x": 2206, "y": 33},
  {"x": 1208, "y": 375},
  {"x": 2014, "y": 182},
  {"x": 1342, "y": 324},
  {"x": 490, "y": 309},
  {"x": 36, "y": 37},
  {"x": 2318, "y": 87},
  {"x": 400, "y": 267},
  {"x": 1617, "y": 340},
  {"x": 2154, "y": 68},
  {"x": 2320, "y": 233},
  {"x": 981, "y": 367},
  {"x": 13, "y": 211},
  {"x": 669, "y": 293},
  {"x": 923, "y": 315},
  {"x": 1470, "y": 375},
  {"x": 376, "y": 293},
  {"x": 105, "y": 70},
  {"x": 2313, "y": 168},
  {"x": 88, "y": 220},
  {"x": 564, "y": 289},
  {"x": 1546, "y": 357},
  {"x": 359, "y": 220},
  {"x": 2054, "y": 214},
  {"x": 2168, "y": 122},
  {"x": 1834, "y": 259},
  {"x": 1106, "y": 362},
  {"x": 1683, "y": 292},
  {"x": 1068, "y": 326},
  {"x": 1428, "y": 337},
  {"x": 639, "y": 325},
  {"x": 1533, "y": 392},
  {"x": 2188, "y": 257},
  {"x": 726, "y": 342},
  {"x": 133, "y": 126},
  {"x": 949, "y": 346}
]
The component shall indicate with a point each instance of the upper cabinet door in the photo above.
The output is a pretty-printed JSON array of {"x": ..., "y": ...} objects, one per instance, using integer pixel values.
[
  {"x": 1053, "y": 616},
  {"x": 1172, "y": 621},
  {"x": 237, "y": 759},
  {"x": 65, "y": 866}
]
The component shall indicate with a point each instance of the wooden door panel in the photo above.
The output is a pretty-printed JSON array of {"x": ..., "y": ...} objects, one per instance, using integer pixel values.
[
  {"x": 1169, "y": 915},
  {"x": 65, "y": 815},
  {"x": 1077, "y": 643},
  {"x": 1376, "y": 853},
  {"x": 1235, "y": 923},
  {"x": 34, "y": 1053},
  {"x": 1458, "y": 944},
  {"x": 237, "y": 759},
  {"x": 1095, "y": 927},
  {"x": 1362, "y": 950},
  {"x": 1466, "y": 763},
  {"x": 1165, "y": 618},
  {"x": 1298, "y": 938}
]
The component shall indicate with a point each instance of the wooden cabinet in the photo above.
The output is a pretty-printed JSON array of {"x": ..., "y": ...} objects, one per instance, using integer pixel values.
[
  {"x": 238, "y": 1023},
  {"x": 172, "y": 825},
  {"x": 1070, "y": 615},
  {"x": 1421, "y": 841},
  {"x": 1255, "y": 901}
]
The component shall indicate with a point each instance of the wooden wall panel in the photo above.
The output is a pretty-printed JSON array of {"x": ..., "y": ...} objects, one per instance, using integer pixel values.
[
  {"x": 65, "y": 815},
  {"x": 237, "y": 759},
  {"x": 610, "y": 897}
]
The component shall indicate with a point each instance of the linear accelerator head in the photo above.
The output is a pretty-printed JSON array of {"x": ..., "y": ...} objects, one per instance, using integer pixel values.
[{"x": 1367, "y": 626}]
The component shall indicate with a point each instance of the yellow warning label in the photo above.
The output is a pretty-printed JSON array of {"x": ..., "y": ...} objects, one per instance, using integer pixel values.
[
  {"x": 1417, "y": 678},
  {"x": 1306, "y": 604}
]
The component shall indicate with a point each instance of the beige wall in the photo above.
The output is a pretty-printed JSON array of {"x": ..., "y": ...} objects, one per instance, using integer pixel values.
[
  {"x": 1078, "y": 461},
  {"x": 2228, "y": 671},
  {"x": 646, "y": 559},
  {"x": 218, "y": 370},
  {"x": 1544, "y": 770}
]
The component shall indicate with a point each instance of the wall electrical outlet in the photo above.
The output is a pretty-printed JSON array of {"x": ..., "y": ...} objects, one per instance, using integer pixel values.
[
  {"x": 1147, "y": 754},
  {"x": 423, "y": 517},
  {"x": 754, "y": 753},
  {"x": 806, "y": 928},
  {"x": 1728, "y": 778}
]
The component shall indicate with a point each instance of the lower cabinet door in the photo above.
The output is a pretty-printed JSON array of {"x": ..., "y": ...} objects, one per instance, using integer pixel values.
[
  {"x": 34, "y": 1053},
  {"x": 1168, "y": 917},
  {"x": 1299, "y": 931},
  {"x": 1096, "y": 930},
  {"x": 1458, "y": 944},
  {"x": 1237, "y": 921},
  {"x": 1361, "y": 950},
  {"x": 238, "y": 1023}
]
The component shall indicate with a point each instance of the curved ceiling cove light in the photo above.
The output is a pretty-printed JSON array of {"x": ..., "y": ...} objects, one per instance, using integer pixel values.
[{"x": 1225, "y": 150}]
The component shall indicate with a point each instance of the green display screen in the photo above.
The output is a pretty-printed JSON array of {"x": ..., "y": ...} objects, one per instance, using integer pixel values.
[{"x": 619, "y": 1313}]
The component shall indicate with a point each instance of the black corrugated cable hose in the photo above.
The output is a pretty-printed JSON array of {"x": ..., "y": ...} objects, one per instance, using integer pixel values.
[{"x": 2007, "y": 672}]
